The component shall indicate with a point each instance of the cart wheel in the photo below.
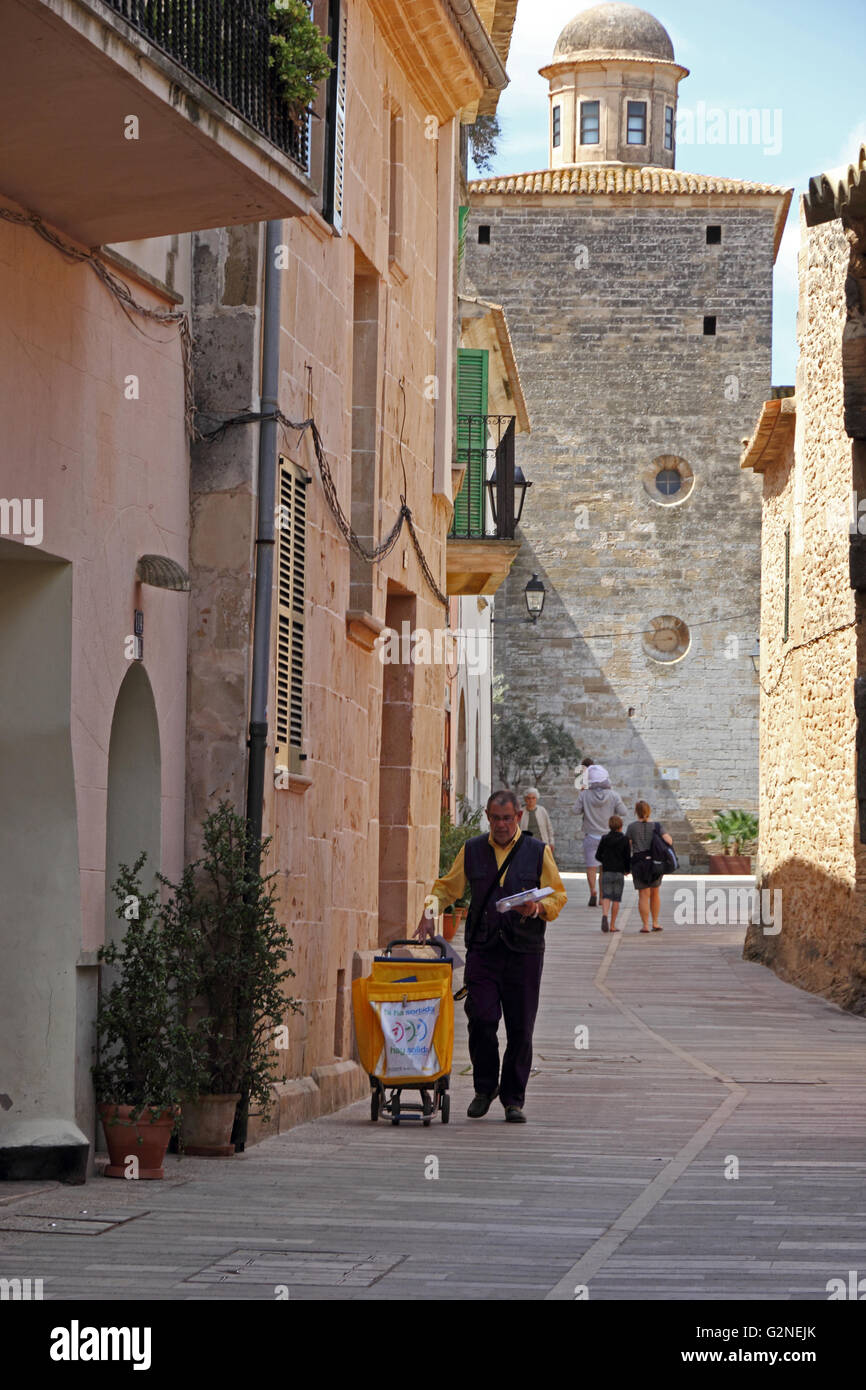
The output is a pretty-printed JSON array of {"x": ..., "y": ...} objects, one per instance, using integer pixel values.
[
  {"x": 446, "y": 1108},
  {"x": 426, "y": 1121},
  {"x": 374, "y": 1105}
]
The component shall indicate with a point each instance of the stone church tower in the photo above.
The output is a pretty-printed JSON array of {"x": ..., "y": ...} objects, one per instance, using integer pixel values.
[{"x": 639, "y": 300}]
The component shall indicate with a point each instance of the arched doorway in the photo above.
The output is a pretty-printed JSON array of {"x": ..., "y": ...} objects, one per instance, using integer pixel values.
[{"x": 133, "y": 818}]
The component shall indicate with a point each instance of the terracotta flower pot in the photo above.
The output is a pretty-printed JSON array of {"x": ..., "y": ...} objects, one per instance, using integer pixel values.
[
  {"x": 449, "y": 925},
  {"x": 206, "y": 1126},
  {"x": 740, "y": 864},
  {"x": 144, "y": 1139}
]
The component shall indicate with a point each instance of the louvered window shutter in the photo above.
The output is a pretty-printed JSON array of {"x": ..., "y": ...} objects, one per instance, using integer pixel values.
[
  {"x": 333, "y": 203},
  {"x": 471, "y": 440},
  {"x": 292, "y": 551}
]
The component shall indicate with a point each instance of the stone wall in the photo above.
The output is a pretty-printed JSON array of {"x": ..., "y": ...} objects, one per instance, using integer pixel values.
[
  {"x": 355, "y": 838},
  {"x": 606, "y": 301},
  {"x": 810, "y": 848}
]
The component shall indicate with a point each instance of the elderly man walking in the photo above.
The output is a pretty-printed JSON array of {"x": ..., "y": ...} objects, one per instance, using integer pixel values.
[{"x": 504, "y": 951}]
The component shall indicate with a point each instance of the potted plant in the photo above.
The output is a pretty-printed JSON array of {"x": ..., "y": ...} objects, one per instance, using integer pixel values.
[
  {"x": 451, "y": 838},
  {"x": 298, "y": 57},
  {"x": 145, "y": 1052},
  {"x": 223, "y": 911},
  {"x": 737, "y": 829}
]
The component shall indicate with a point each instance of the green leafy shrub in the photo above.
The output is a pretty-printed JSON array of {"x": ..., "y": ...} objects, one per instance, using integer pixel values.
[
  {"x": 223, "y": 914},
  {"x": 298, "y": 55},
  {"x": 199, "y": 989},
  {"x": 147, "y": 1055}
]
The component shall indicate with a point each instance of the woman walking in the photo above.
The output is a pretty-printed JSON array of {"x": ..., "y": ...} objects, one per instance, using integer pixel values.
[
  {"x": 640, "y": 838},
  {"x": 535, "y": 820}
]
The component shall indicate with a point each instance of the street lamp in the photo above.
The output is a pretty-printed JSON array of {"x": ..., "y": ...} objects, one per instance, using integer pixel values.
[
  {"x": 520, "y": 486},
  {"x": 534, "y": 596},
  {"x": 755, "y": 656}
]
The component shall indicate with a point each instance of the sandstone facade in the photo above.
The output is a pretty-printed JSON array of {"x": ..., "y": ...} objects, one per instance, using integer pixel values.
[
  {"x": 810, "y": 841},
  {"x": 356, "y": 825}
]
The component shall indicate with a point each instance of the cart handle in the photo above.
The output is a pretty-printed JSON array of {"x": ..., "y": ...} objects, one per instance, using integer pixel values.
[{"x": 414, "y": 943}]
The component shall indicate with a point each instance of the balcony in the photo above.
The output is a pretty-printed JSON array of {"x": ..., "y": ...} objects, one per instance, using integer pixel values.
[
  {"x": 481, "y": 544},
  {"x": 126, "y": 119}
]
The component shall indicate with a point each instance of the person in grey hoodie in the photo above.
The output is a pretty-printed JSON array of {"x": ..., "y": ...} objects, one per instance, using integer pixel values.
[{"x": 596, "y": 805}]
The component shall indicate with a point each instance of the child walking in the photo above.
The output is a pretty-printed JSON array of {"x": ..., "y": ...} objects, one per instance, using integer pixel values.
[{"x": 614, "y": 856}]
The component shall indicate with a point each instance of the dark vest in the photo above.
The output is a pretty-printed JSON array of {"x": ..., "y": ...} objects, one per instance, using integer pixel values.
[{"x": 524, "y": 934}]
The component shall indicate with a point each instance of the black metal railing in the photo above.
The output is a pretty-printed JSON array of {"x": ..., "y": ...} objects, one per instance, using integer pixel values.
[
  {"x": 484, "y": 506},
  {"x": 225, "y": 44}
]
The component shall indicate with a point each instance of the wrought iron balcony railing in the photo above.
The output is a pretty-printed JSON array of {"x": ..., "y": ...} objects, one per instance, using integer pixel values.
[
  {"x": 225, "y": 44},
  {"x": 484, "y": 508}
]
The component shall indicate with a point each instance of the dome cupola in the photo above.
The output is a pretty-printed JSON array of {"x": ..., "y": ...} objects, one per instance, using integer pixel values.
[
  {"x": 613, "y": 90},
  {"x": 615, "y": 29}
]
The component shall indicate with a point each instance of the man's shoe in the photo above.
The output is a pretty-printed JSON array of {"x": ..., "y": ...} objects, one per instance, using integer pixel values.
[
  {"x": 593, "y": 900},
  {"x": 605, "y": 925},
  {"x": 481, "y": 1104},
  {"x": 514, "y": 1115}
]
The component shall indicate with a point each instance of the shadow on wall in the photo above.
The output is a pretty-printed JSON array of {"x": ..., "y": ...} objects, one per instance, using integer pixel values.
[
  {"x": 820, "y": 946},
  {"x": 584, "y": 700}
]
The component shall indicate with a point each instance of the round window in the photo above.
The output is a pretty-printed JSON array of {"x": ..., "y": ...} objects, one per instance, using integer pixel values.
[
  {"x": 667, "y": 639},
  {"x": 668, "y": 480}
]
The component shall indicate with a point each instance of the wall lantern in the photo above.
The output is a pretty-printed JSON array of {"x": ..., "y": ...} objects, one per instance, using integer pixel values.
[
  {"x": 520, "y": 486},
  {"x": 755, "y": 656},
  {"x": 162, "y": 573},
  {"x": 534, "y": 594}
]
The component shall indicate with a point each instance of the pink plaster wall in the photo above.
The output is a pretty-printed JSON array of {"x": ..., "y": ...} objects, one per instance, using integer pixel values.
[{"x": 113, "y": 477}]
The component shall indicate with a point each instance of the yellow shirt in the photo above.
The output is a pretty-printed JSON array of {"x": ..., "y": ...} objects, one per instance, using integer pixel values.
[{"x": 453, "y": 884}]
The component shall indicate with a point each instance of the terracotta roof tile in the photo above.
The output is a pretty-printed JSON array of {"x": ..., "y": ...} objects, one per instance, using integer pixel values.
[
  {"x": 584, "y": 180},
  {"x": 618, "y": 178}
]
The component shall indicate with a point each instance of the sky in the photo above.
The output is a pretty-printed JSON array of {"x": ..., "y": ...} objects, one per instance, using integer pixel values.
[{"x": 794, "y": 60}]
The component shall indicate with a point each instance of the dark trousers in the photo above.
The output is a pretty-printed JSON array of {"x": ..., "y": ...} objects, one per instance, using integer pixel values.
[{"x": 502, "y": 982}]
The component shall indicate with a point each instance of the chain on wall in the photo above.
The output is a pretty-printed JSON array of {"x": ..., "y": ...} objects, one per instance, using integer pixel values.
[{"x": 179, "y": 317}]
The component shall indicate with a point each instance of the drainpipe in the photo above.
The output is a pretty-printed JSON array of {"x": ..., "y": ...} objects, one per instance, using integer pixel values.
[
  {"x": 267, "y": 483},
  {"x": 481, "y": 43},
  {"x": 264, "y": 575}
]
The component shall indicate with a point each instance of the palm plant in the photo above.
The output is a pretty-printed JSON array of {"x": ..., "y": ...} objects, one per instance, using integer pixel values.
[
  {"x": 744, "y": 829},
  {"x": 737, "y": 828},
  {"x": 722, "y": 830}
]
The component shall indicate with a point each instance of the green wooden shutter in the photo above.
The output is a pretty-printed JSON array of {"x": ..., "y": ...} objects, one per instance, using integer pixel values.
[
  {"x": 291, "y": 573},
  {"x": 471, "y": 440}
]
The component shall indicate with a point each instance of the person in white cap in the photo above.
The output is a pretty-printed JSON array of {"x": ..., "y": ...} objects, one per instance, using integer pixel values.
[
  {"x": 535, "y": 821},
  {"x": 596, "y": 805}
]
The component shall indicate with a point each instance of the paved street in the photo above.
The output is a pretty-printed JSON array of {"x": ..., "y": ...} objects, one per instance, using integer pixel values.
[{"x": 696, "y": 1062}]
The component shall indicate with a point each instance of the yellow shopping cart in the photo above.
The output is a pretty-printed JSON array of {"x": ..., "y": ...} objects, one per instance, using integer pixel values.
[{"x": 404, "y": 1025}]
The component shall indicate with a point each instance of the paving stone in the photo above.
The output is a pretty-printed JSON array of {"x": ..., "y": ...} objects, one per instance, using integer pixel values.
[{"x": 621, "y": 1170}]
